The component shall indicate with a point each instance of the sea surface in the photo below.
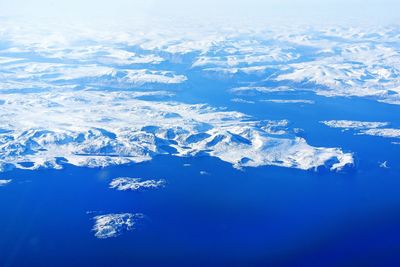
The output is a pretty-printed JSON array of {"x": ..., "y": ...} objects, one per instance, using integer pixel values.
[{"x": 211, "y": 214}]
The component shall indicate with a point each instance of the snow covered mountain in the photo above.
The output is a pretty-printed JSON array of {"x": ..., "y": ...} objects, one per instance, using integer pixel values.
[
  {"x": 95, "y": 98},
  {"x": 103, "y": 128}
]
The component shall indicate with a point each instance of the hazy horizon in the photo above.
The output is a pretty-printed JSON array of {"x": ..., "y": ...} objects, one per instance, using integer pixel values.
[{"x": 372, "y": 11}]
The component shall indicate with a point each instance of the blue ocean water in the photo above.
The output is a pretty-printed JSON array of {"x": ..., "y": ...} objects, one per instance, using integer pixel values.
[{"x": 266, "y": 216}]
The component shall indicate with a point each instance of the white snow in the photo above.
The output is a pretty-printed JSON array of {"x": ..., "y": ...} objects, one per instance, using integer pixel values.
[
  {"x": 113, "y": 225},
  {"x": 135, "y": 184},
  {"x": 289, "y": 101},
  {"x": 4, "y": 182},
  {"x": 385, "y": 132},
  {"x": 243, "y": 101},
  {"x": 105, "y": 128},
  {"x": 76, "y": 100},
  {"x": 357, "y": 125},
  {"x": 365, "y": 127},
  {"x": 260, "y": 89}
]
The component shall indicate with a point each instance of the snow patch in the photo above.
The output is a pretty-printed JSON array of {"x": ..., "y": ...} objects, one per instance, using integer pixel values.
[
  {"x": 135, "y": 184},
  {"x": 113, "y": 225},
  {"x": 4, "y": 182}
]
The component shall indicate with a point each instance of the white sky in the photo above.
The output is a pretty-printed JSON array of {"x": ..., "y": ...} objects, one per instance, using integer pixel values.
[{"x": 386, "y": 11}]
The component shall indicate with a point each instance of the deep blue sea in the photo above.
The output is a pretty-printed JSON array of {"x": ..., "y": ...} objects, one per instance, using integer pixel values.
[{"x": 266, "y": 216}]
